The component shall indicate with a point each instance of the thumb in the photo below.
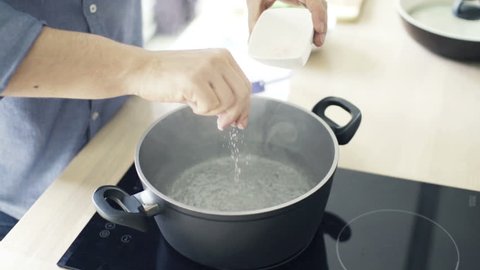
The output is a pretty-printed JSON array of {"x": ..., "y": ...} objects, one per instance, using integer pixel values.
[{"x": 255, "y": 9}]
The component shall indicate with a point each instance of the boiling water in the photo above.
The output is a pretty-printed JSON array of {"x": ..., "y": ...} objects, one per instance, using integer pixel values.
[{"x": 263, "y": 183}]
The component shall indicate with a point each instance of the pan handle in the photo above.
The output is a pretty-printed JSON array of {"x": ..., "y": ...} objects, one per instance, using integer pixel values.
[
  {"x": 467, "y": 9},
  {"x": 132, "y": 212},
  {"x": 344, "y": 134}
]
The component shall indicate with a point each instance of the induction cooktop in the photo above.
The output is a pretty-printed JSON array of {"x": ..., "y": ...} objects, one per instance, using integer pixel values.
[{"x": 371, "y": 222}]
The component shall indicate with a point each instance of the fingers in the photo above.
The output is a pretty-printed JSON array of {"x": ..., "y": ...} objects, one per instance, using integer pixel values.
[
  {"x": 318, "y": 8},
  {"x": 255, "y": 9},
  {"x": 228, "y": 118},
  {"x": 221, "y": 88},
  {"x": 214, "y": 97},
  {"x": 234, "y": 116},
  {"x": 242, "y": 121},
  {"x": 204, "y": 99},
  {"x": 237, "y": 114}
]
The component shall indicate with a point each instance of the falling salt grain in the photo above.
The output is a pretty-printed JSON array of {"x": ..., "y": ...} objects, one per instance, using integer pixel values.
[{"x": 235, "y": 140}]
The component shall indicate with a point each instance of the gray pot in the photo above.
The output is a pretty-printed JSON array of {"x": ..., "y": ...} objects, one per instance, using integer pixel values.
[{"x": 246, "y": 239}]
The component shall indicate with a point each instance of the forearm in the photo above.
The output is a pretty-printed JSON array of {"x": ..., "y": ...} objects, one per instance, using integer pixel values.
[{"x": 64, "y": 64}]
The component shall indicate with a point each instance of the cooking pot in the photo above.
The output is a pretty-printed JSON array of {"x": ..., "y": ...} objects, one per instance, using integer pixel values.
[
  {"x": 314, "y": 257},
  {"x": 450, "y": 28},
  {"x": 243, "y": 239}
]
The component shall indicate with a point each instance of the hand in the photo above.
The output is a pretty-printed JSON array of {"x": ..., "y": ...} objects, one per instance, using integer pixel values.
[
  {"x": 318, "y": 8},
  {"x": 209, "y": 81},
  {"x": 89, "y": 66}
]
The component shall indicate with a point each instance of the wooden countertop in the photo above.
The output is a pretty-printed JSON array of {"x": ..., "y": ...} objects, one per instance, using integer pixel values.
[
  {"x": 421, "y": 112},
  {"x": 421, "y": 121}
]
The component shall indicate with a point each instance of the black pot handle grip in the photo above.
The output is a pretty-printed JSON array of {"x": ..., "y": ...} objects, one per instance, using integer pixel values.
[
  {"x": 466, "y": 9},
  {"x": 132, "y": 212},
  {"x": 344, "y": 134}
]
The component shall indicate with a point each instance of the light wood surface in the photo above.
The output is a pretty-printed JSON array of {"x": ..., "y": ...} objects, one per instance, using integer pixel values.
[
  {"x": 421, "y": 112},
  {"x": 346, "y": 10},
  {"x": 421, "y": 121}
]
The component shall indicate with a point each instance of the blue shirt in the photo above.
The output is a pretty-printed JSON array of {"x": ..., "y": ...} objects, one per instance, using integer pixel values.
[{"x": 40, "y": 136}]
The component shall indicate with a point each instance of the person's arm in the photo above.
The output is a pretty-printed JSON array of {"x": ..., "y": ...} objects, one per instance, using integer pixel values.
[
  {"x": 64, "y": 64},
  {"x": 318, "y": 8}
]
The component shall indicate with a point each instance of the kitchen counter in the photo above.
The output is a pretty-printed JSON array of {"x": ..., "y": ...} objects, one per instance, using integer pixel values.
[{"x": 421, "y": 121}]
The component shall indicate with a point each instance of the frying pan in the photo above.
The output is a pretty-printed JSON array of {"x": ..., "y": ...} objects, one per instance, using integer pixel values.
[{"x": 450, "y": 28}]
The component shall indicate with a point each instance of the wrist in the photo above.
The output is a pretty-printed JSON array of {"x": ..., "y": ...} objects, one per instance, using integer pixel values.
[{"x": 135, "y": 75}]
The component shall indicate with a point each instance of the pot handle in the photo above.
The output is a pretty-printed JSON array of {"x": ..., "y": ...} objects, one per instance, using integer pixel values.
[
  {"x": 344, "y": 134},
  {"x": 132, "y": 214}
]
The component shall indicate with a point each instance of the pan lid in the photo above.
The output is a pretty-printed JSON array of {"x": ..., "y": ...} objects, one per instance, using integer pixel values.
[{"x": 455, "y": 19}]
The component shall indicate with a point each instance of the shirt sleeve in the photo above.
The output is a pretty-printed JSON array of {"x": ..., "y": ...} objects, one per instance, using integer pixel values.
[{"x": 18, "y": 31}]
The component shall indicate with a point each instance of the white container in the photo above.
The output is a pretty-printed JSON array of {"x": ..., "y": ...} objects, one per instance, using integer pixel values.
[{"x": 282, "y": 37}]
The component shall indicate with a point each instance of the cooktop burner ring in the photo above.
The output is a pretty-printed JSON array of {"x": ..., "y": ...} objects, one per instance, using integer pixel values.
[
  {"x": 454, "y": 210},
  {"x": 349, "y": 225}
]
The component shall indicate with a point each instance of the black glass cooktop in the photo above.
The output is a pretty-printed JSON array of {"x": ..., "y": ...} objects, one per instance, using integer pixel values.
[{"x": 371, "y": 222}]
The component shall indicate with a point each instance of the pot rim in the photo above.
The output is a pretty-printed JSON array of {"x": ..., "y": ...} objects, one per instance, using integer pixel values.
[
  {"x": 214, "y": 213},
  {"x": 407, "y": 17}
]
